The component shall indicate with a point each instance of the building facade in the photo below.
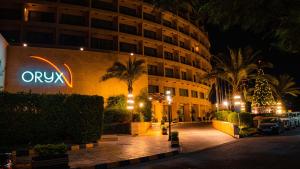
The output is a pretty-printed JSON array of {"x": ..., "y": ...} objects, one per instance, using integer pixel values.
[{"x": 67, "y": 45}]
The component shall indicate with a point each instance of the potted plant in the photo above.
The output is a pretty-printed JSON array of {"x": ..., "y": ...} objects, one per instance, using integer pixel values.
[
  {"x": 50, "y": 156},
  {"x": 174, "y": 139},
  {"x": 164, "y": 130}
]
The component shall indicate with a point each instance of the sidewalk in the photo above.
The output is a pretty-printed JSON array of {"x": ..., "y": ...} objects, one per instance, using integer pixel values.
[{"x": 127, "y": 147}]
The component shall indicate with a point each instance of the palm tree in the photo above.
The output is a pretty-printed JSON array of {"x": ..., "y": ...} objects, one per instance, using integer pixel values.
[
  {"x": 283, "y": 86},
  {"x": 236, "y": 68},
  {"x": 128, "y": 72}
]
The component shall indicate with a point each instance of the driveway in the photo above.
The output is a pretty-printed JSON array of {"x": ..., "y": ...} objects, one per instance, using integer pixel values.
[
  {"x": 267, "y": 152},
  {"x": 192, "y": 138}
]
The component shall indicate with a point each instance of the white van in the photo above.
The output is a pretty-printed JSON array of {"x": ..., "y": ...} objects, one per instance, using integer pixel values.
[{"x": 295, "y": 116}]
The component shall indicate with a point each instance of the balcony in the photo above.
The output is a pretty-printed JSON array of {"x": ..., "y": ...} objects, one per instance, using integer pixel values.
[
  {"x": 194, "y": 36},
  {"x": 150, "y": 34},
  {"x": 128, "y": 11},
  {"x": 152, "y": 18},
  {"x": 103, "y": 5},
  {"x": 128, "y": 47},
  {"x": 169, "y": 24},
  {"x": 170, "y": 40},
  {"x": 185, "y": 61},
  {"x": 128, "y": 29},
  {"x": 150, "y": 52},
  {"x": 103, "y": 24},
  {"x": 76, "y": 2},
  {"x": 184, "y": 31},
  {"x": 41, "y": 16},
  {"x": 183, "y": 45},
  {"x": 73, "y": 20}
]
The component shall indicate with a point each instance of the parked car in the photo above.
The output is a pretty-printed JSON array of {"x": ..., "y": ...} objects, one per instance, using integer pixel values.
[
  {"x": 270, "y": 125},
  {"x": 295, "y": 116},
  {"x": 5, "y": 161},
  {"x": 288, "y": 121}
]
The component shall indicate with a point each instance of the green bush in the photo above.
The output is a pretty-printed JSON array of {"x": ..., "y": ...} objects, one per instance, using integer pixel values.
[
  {"x": 247, "y": 131},
  {"x": 50, "y": 149},
  {"x": 117, "y": 128},
  {"x": 246, "y": 119},
  {"x": 233, "y": 117},
  {"x": 222, "y": 115},
  {"x": 116, "y": 116},
  {"x": 29, "y": 119}
]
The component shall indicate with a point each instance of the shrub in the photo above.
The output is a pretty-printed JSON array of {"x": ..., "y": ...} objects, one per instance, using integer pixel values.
[
  {"x": 117, "y": 128},
  {"x": 233, "y": 117},
  {"x": 50, "y": 149},
  {"x": 246, "y": 119},
  {"x": 29, "y": 119},
  {"x": 116, "y": 116},
  {"x": 222, "y": 115}
]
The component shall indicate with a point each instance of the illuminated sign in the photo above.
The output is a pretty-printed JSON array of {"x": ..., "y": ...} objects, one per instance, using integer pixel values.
[{"x": 55, "y": 77}]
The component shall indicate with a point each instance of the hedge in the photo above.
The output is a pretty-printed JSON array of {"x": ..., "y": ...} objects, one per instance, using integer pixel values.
[
  {"x": 116, "y": 121},
  {"x": 29, "y": 119},
  {"x": 232, "y": 117}
]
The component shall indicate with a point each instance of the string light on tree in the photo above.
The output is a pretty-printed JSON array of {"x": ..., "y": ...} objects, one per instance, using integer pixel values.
[{"x": 263, "y": 100}]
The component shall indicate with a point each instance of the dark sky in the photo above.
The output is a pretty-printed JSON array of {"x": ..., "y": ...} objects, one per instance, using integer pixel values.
[{"x": 235, "y": 38}]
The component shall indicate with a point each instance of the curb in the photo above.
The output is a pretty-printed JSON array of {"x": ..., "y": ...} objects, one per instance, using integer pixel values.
[
  {"x": 131, "y": 161},
  {"x": 30, "y": 152}
]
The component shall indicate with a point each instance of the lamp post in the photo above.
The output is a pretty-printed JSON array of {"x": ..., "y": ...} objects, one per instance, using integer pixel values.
[
  {"x": 169, "y": 100},
  {"x": 130, "y": 104},
  {"x": 237, "y": 105}
]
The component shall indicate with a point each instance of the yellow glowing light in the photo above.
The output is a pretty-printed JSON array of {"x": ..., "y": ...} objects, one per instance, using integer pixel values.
[
  {"x": 81, "y": 49},
  {"x": 130, "y": 107},
  {"x": 150, "y": 98},
  {"x": 197, "y": 48},
  {"x": 68, "y": 82},
  {"x": 237, "y": 103},
  {"x": 130, "y": 95},
  {"x": 236, "y": 97},
  {"x": 131, "y": 54},
  {"x": 141, "y": 105},
  {"x": 225, "y": 103},
  {"x": 25, "y": 44},
  {"x": 130, "y": 101}
]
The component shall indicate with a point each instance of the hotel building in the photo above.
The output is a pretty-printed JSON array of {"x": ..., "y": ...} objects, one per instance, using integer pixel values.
[{"x": 52, "y": 46}]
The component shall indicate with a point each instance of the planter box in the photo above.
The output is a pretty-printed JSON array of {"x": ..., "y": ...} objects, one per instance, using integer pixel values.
[
  {"x": 164, "y": 132},
  {"x": 226, "y": 127},
  {"x": 174, "y": 143},
  {"x": 138, "y": 128},
  {"x": 51, "y": 162}
]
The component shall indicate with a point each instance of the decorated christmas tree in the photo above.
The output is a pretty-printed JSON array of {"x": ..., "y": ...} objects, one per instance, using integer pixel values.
[{"x": 263, "y": 100}]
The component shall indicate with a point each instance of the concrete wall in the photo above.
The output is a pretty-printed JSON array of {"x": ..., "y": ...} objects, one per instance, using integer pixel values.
[
  {"x": 3, "y": 47},
  {"x": 87, "y": 69},
  {"x": 226, "y": 127}
]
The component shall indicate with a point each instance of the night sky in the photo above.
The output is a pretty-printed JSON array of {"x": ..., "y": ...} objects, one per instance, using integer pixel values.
[{"x": 284, "y": 63}]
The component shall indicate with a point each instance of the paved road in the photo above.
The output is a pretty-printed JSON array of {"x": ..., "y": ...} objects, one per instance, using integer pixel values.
[{"x": 269, "y": 152}]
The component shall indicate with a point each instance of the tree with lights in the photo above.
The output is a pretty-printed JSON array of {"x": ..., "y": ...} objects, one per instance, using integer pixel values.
[{"x": 263, "y": 100}]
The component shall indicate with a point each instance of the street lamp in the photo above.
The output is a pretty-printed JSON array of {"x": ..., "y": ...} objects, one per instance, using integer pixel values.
[
  {"x": 130, "y": 104},
  {"x": 237, "y": 105},
  {"x": 169, "y": 100}
]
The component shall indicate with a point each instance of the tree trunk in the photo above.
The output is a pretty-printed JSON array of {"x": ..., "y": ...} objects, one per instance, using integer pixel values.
[{"x": 130, "y": 89}]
